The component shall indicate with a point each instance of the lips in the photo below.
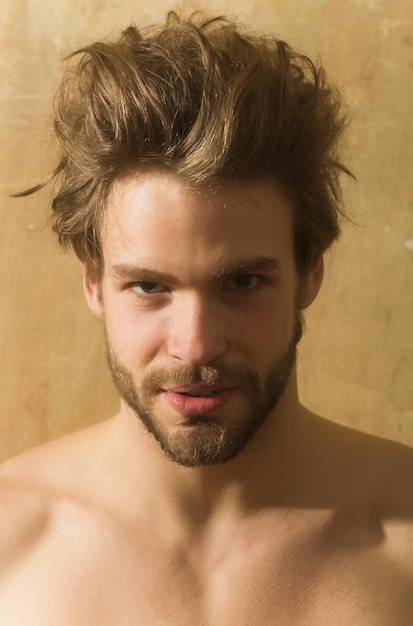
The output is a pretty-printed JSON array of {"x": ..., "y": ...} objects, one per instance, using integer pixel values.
[{"x": 198, "y": 400}]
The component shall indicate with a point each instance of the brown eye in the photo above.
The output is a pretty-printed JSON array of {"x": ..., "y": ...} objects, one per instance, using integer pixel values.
[
  {"x": 244, "y": 282},
  {"x": 148, "y": 287}
]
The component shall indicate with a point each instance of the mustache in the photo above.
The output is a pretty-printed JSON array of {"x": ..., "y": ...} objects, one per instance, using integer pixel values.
[{"x": 202, "y": 375}]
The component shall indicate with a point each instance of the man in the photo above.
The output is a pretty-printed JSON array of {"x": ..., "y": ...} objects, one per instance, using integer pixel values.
[{"x": 199, "y": 186}]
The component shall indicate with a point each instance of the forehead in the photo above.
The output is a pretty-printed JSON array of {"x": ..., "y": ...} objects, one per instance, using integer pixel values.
[{"x": 159, "y": 217}]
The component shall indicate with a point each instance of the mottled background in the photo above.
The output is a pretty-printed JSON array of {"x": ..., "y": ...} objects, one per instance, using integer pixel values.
[{"x": 356, "y": 357}]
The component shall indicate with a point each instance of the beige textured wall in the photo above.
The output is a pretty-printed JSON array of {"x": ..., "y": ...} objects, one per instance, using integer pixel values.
[{"x": 356, "y": 359}]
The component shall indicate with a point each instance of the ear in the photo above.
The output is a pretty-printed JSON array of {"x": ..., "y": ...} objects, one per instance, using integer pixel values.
[
  {"x": 93, "y": 293},
  {"x": 311, "y": 283}
]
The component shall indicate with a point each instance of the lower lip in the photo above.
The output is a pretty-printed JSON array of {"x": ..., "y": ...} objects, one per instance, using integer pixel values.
[{"x": 198, "y": 405}]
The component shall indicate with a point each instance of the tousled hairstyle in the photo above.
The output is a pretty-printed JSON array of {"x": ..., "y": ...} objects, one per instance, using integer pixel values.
[{"x": 208, "y": 101}]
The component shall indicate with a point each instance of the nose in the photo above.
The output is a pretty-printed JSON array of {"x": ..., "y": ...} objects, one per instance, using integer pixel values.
[{"x": 196, "y": 332}]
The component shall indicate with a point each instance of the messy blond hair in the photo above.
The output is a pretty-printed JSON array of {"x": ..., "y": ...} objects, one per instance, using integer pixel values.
[{"x": 208, "y": 101}]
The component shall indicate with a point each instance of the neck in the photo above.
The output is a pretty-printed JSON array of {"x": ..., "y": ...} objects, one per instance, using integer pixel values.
[{"x": 193, "y": 496}]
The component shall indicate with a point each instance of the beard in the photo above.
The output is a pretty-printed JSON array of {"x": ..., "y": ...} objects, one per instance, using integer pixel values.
[{"x": 209, "y": 439}]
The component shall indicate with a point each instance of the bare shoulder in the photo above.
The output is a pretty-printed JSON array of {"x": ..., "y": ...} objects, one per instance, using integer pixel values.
[
  {"x": 23, "y": 520},
  {"x": 366, "y": 484},
  {"x": 59, "y": 464},
  {"x": 392, "y": 487},
  {"x": 372, "y": 463},
  {"x": 372, "y": 477},
  {"x": 36, "y": 485},
  {"x": 385, "y": 467}
]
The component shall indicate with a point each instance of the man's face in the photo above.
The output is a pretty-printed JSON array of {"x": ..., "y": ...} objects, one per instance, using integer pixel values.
[{"x": 199, "y": 297}]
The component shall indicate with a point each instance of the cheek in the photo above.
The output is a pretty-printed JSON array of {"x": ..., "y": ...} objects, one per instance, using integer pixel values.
[
  {"x": 134, "y": 336},
  {"x": 266, "y": 329}
]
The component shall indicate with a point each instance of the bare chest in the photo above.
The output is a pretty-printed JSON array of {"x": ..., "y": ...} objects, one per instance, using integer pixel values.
[{"x": 72, "y": 580}]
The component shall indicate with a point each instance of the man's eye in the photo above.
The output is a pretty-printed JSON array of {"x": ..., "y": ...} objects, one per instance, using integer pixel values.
[
  {"x": 147, "y": 287},
  {"x": 245, "y": 282}
]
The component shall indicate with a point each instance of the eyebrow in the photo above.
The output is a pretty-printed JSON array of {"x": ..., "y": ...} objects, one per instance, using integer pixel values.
[
  {"x": 258, "y": 264},
  {"x": 131, "y": 272},
  {"x": 126, "y": 271}
]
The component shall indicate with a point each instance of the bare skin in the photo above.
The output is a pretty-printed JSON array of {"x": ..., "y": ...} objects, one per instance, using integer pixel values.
[
  {"x": 309, "y": 523},
  {"x": 91, "y": 535}
]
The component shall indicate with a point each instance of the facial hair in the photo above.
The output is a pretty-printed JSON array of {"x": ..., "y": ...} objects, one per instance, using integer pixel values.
[{"x": 210, "y": 439}]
